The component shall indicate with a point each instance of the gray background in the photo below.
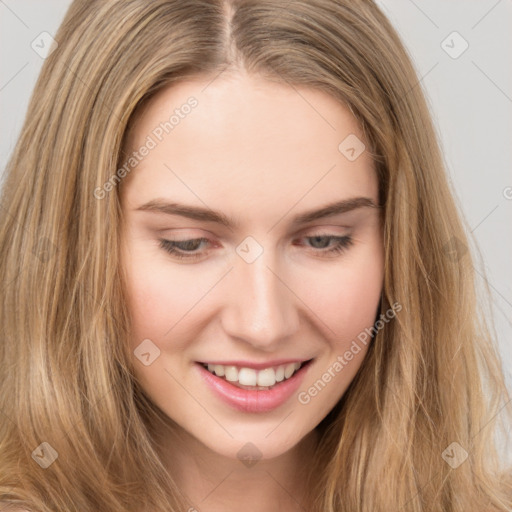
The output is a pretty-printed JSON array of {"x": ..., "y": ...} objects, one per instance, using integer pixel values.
[{"x": 470, "y": 98}]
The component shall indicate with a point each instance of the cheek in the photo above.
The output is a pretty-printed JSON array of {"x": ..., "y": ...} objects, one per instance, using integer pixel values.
[
  {"x": 346, "y": 296},
  {"x": 158, "y": 298}
]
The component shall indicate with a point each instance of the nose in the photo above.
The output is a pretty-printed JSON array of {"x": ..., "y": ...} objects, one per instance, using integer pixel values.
[{"x": 261, "y": 308}]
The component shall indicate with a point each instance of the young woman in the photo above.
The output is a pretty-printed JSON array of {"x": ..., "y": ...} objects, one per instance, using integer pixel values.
[{"x": 232, "y": 275}]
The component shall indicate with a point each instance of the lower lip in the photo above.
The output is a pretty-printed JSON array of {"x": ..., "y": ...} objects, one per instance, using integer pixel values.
[{"x": 246, "y": 400}]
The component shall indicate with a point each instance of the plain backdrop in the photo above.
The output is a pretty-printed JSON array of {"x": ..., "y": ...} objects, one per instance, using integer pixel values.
[{"x": 461, "y": 51}]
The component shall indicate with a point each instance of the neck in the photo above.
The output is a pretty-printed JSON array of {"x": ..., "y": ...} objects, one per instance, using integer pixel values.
[{"x": 213, "y": 483}]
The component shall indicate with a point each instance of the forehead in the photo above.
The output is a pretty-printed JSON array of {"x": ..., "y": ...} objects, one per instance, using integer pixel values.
[{"x": 247, "y": 141}]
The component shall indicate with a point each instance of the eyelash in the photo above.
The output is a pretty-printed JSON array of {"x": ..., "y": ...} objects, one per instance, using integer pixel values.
[{"x": 342, "y": 244}]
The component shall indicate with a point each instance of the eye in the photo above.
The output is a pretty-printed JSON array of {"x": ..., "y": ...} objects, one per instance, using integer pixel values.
[
  {"x": 183, "y": 248},
  {"x": 190, "y": 249},
  {"x": 323, "y": 243}
]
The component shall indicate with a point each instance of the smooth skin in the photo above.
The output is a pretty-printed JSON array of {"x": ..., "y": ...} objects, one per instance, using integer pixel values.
[{"x": 259, "y": 152}]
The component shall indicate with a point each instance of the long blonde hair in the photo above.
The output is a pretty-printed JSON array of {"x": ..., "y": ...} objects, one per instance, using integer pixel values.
[{"x": 432, "y": 377}]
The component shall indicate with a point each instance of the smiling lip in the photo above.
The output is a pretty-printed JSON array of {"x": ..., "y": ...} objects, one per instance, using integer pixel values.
[
  {"x": 248, "y": 400},
  {"x": 255, "y": 366}
]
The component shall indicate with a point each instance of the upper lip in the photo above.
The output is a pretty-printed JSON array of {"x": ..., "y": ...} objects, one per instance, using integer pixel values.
[{"x": 256, "y": 366}]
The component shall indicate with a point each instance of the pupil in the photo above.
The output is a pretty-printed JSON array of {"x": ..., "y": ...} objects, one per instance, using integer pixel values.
[
  {"x": 190, "y": 245},
  {"x": 319, "y": 239}
]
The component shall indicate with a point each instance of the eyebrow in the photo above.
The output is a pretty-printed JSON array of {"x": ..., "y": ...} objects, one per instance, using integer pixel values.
[{"x": 208, "y": 215}]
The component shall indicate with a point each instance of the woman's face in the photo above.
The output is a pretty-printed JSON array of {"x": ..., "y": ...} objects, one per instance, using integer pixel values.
[{"x": 234, "y": 177}]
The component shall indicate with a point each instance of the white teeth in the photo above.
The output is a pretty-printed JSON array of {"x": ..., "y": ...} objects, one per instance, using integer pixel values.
[
  {"x": 288, "y": 370},
  {"x": 247, "y": 377},
  {"x": 250, "y": 377},
  {"x": 266, "y": 377},
  {"x": 231, "y": 373}
]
